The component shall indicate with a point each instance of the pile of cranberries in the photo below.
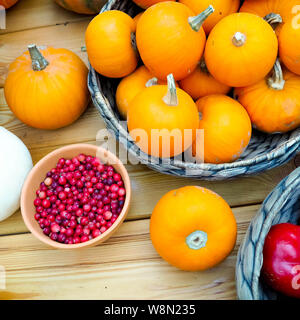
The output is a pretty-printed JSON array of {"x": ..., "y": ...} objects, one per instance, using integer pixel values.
[{"x": 79, "y": 199}]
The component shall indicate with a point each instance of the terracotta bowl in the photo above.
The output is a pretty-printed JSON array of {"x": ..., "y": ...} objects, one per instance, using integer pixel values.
[{"x": 37, "y": 175}]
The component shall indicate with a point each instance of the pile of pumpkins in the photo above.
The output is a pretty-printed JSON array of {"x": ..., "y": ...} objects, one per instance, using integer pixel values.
[{"x": 193, "y": 53}]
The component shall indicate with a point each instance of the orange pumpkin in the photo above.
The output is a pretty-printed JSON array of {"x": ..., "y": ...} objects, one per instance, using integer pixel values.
[
  {"x": 289, "y": 45},
  {"x": 241, "y": 49},
  {"x": 273, "y": 104},
  {"x": 166, "y": 41},
  {"x": 226, "y": 129},
  {"x": 47, "y": 89},
  {"x": 137, "y": 18},
  {"x": 201, "y": 83},
  {"x": 222, "y": 9},
  {"x": 158, "y": 117},
  {"x": 264, "y": 7},
  {"x": 8, "y": 3},
  {"x": 193, "y": 228},
  {"x": 133, "y": 84},
  {"x": 82, "y": 6},
  {"x": 148, "y": 3},
  {"x": 115, "y": 55}
]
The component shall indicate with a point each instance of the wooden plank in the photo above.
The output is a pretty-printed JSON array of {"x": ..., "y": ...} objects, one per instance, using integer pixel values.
[
  {"x": 12, "y": 45},
  {"x": 125, "y": 266},
  {"x": 30, "y": 14}
]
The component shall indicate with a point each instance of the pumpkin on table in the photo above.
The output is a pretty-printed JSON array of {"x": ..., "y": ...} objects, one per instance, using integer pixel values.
[
  {"x": 158, "y": 117},
  {"x": 47, "y": 88},
  {"x": 241, "y": 49},
  {"x": 170, "y": 39},
  {"x": 82, "y": 6},
  {"x": 193, "y": 228},
  {"x": 8, "y": 3},
  {"x": 115, "y": 56},
  {"x": 273, "y": 104}
]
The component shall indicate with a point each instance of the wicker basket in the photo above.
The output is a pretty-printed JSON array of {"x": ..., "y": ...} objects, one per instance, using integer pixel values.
[
  {"x": 282, "y": 205},
  {"x": 264, "y": 151}
]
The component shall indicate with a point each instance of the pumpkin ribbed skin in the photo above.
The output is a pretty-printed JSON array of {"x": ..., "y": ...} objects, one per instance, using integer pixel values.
[
  {"x": 8, "y": 3},
  {"x": 114, "y": 56},
  {"x": 273, "y": 110},
  {"x": 167, "y": 43},
  {"x": 82, "y": 6},
  {"x": 52, "y": 98},
  {"x": 183, "y": 212},
  {"x": 222, "y": 9},
  {"x": 241, "y": 50},
  {"x": 148, "y": 3}
]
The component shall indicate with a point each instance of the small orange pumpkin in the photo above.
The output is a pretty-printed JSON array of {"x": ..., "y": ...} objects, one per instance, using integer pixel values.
[
  {"x": 158, "y": 117},
  {"x": 201, "y": 83},
  {"x": 47, "y": 89},
  {"x": 137, "y": 18},
  {"x": 241, "y": 49},
  {"x": 170, "y": 39},
  {"x": 133, "y": 84},
  {"x": 226, "y": 128},
  {"x": 115, "y": 55},
  {"x": 273, "y": 104},
  {"x": 193, "y": 228},
  {"x": 289, "y": 45},
  {"x": 8, "y": 3},
  {"x": 148, "y": 3},
  {"x": 222, "y": 9}
]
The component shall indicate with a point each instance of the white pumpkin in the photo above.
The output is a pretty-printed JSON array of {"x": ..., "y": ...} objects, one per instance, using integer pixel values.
[{"x": 15, "y": 164}]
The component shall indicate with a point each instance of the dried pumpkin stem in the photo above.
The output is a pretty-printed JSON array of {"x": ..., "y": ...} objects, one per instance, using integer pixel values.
[
  {"x": 197, "y": 21},
  {"x": 196, "y": 240},
  {"x": 276, "y": 82},
  {"x": 274, "y": 19},
  {"x": 239, "y": 39},
  {"x": 202, "y": 65},
  {"x": 151, "y": 82},
  {"x": 39, "y": 63},
  {"x": 171, "y": 97}
]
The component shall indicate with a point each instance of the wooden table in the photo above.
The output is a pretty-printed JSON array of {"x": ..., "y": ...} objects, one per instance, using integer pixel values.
[{"x": 126, "y": 266}]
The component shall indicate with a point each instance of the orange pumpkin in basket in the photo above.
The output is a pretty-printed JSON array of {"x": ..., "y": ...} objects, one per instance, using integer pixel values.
[
  {"x": 170, "y": 39},
  {"x": 148, "y": 3},
  {"x": 133, "y": 84},
  {"x": 201, "y": 83},
  {"x": 241, "y": 49},
  {"x": 273, "y": 104},
  {"x": 289, "y": 45},
  {"x": 115, "y": 55},
  {"x": 158, "y": 117},
  {"x": 226, "y": 129},
  {"x": 8, "y": 3},
  {"x": 47, "y": 89},
  {"x": 222, "y": 9},
  {"x": 193, "y": 228}
]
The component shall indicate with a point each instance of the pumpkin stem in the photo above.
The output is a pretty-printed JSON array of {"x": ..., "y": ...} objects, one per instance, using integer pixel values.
[
  {"x": 171, "y": 97},
  {"x": 197, "y": 21},
  {"x": 276, "y": 82},
  {"x": 202, "y": 65},
  {"x": 274, "y": 19},
  {"x": 151, "y": 82},
  {"x": 39, "y": 63},
  {"x": 196, "y": 240},
  {"x": 239, "y": 39}
]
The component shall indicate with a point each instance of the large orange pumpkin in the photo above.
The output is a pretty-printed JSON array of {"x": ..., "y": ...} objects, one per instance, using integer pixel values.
[
  {"x": 47, "y": 89},
  {"x": 226, "y": 129},
  {"x": 82, "y": 6},
  {"x": 201, "y": 83},
  {"x": 241, "y": 49},
  {"x": 148, "y": 3},
  {"x": 8, "y": 3},
  {"x": 222, "y": 9},
  {"x": 273, "y": 104},
  {"x": 115, "y": 55},
  {"x": 170, "y": 39},
  {"x": 289, "y": 45},
  {"x": 193, "y": 228},
  {"x": 158, "y": 117},
  {"x": 133, "y": 84}
]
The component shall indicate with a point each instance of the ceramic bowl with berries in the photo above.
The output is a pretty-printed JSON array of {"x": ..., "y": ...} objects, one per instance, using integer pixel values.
[{"x": 76, "y": 196}]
